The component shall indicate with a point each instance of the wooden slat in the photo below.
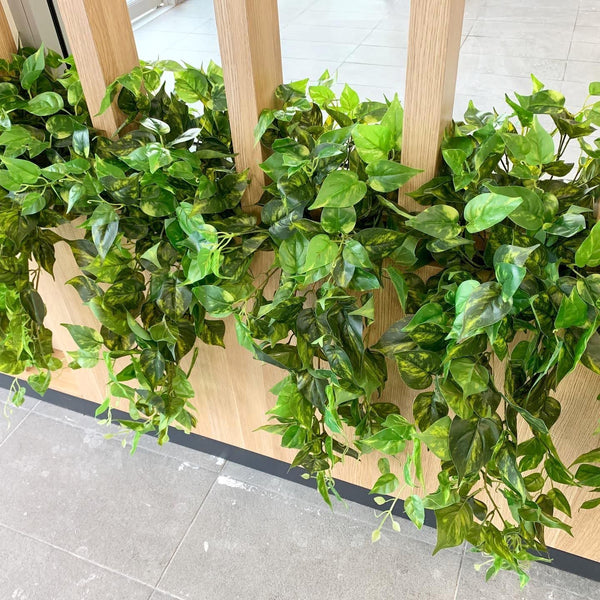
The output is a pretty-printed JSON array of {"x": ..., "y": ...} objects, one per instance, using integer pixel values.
[
  {"x": 433, "y": 48},
  {"x": 251, "y": 57},
  {"x": 101, "y": 39},
  {"x": 7, "y": 39}
]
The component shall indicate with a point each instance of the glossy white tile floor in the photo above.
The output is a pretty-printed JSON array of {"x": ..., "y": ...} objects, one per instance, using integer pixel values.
[{"x": 365, "y": 42}]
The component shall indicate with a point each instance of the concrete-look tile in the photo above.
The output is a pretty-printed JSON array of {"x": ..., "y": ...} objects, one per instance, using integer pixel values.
[
  {"x": 317, "y": 33},
  {"x": 379, "y": 55},
  {"x": 542, "y": 48},
  {"x": 567, "y": 581},
  {"x": 187, "y": 458},
  {"x": 493, "y": 85},
  {"x": 589, "y": 5},
  {"x": 585, "y": 51},
  {"x": 588, "y": 18},
  {"x": 517, "y": 12},
  {"x": 32, "y": 570},
  {"x": 158, "y": 595},
  {"x": 249, "y": 543},
  {"x": 325, "y": 51},
  {"x": 349, "y": 19},
  {"x": 11, "y": 416},
  {"x": 382, "y": 37},
  {"x": 295, "y": 69},
  {"x": 472, "y": 585},
  {"x": 233, "y": 472},
  {"x": 543, "y": 68},
  {"x": 199, "y": 42},
  {"x": 76, "y": 490},
  {"x": 182, "y": 24},
  {"x": 586, "y": 34},
  {"x": 582, "y": 71},
  {"x": 370, "y": 92},
  {"x": 521, "y": 30},
  {"x": 392, "y": 77}
]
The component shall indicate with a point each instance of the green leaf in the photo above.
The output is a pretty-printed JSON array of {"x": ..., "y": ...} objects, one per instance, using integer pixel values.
[
  {"x": 484, "y": 307},
  {"x": 321, "y": 252},
  {"x": 217, "y": 301},
  {"x": 541, "y": 145},
  {"x": 588, "y": 254},
  {"x": 472, "y": 442},
  {"x": 394, "y": 120},
  {"x": 572, "y": 311},
  {"x": 486, "y": 210},
  {"x": 439, "y": 221},
  {"x": 33, "y": 67},
  {"x": 22, "y": 171},
  {"x": 339, "y": 190},
  {"x": 387, "y": 175},
  {"x": 506, "y": 462},
  {"x": 400, "y": 286},
  {"x": 593, "y": 456},
  {"x": 338, "y": 220},
  {"x": 560, "y": 501},
  {"x": 415, "y": 511},
  {"x": 436, "y": 438},
  {"x": 472, "y": 377},
  {"x": 373, "y": 142},
  {"x": 417, "y": 367},
  {"x": 85, "y": 337},
  {"x": 588, "y": 475},
  {"x": 349, "y": 100},
  {"x": 453, "y": 524},
  {"x": 386, "y": 484},
  {"x": 44, "y": 104},
  {"x": 428, "y": 408},
  {"x": 292, "y": 254},
  {"x": 32, "y": 203},
  {"x": 153, "y": 365}
]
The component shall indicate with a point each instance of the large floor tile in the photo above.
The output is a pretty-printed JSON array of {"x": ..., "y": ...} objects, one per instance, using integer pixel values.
[
  {"x": 472, "y": 585},
  {"x": 392, "y": 77},
  {"x": 188, "y": 458},
  {"x": 318, "y": 33},
  {"x": 542, "y": 48},
  {"x": 79, "y": 491},
  {"x": 32, "y": 570},
  {"x": 248, "y": 542},
  {"x": 379, "y": 55},
  {"x": 325, "y": 51},
  {"x": 11, "y": 416},
  {"x": 542, "y": 68}
]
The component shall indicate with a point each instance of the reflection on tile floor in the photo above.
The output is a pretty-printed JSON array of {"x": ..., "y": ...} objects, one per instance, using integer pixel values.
[
  {"x": 83, "y": 519},
  {"x": 365, "y": 41}
]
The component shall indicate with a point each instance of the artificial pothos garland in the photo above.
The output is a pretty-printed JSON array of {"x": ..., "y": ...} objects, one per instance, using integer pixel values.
[{"x": 509, "y": 230}]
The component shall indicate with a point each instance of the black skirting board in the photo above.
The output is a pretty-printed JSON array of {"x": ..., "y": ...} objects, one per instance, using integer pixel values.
[{"x": 349, "y": 491}]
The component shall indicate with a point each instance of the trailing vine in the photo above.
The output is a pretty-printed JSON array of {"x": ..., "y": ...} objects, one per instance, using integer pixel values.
[{"x": 497, "y": 275}]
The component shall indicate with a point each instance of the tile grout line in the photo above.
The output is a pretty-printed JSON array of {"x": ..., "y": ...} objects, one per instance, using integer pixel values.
[
  {"x": 77, "y": 556},
  {"x": 16, "y": 427},
  {"x": 460, "y": 567},
  {"x": 195, "y": 517},
  {"x": 571, "y": 41}
]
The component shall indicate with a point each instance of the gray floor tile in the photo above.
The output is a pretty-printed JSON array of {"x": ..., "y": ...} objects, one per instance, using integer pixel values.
[
  {"x": 382, "y": 37},
  {"x": 542, "y": 68},
  {"x": 233, "y": 473},
  {"x": 188, "y": 458},
  {"x": 295, "y": 69},
  {"x": 348, "y": 19},
  {"x": 318, "y": 33},
  {"x": 472, "y": 585},
  {"x": 249, "y": 543},
  {"x": 76, "y": 490},
  {"x": 585, "y": 34},
  {"x": 542, "y": 48},
  {"x": 157, "y": 595},
  {"x": 379, "y": 55},
  {"x": 521, "y": 30},
  {"x": 373, "y": 75},
  {"x": 583, "y": 71},
  {"x": 32, "y": 570},
  {"x": 588, "y": 18},
  {"x": 568, "y": 581},
  {"x": 325, "y": 51},
  {"x": 585, "y": 51},
  {"x": 11, "y": 416}
]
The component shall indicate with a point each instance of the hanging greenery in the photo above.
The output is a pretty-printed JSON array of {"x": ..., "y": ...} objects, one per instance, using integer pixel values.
[{"x": 497, "y": 277}]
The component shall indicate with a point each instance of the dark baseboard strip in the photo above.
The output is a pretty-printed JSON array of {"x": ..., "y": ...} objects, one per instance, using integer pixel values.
[{"x": 349, "y": 491}]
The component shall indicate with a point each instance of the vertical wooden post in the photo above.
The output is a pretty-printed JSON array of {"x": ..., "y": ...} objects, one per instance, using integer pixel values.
[
  {"x": 251, "y": 57},
  {"x": 433, "y": 49},
  {"x": 7, "y": 40},
  {"x": 101, "y": 39}
]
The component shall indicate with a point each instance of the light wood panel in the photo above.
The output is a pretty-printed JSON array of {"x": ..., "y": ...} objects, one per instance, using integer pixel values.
[
  {"x": 101, "y": 40},
  {"x": 232, "y": 397},
  {"x": 251, "y": 56},
  {"x": 433, "y": 47},
  {"x": 7, "y": 38}
]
